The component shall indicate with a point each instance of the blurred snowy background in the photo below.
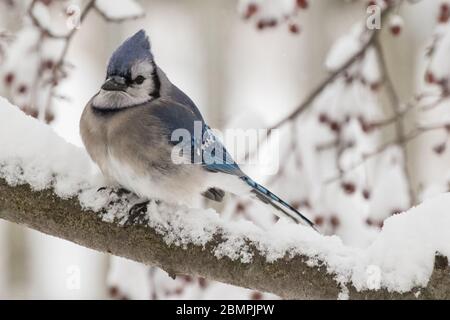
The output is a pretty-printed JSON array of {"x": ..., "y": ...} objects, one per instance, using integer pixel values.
[{"x": 246, "y": 64}]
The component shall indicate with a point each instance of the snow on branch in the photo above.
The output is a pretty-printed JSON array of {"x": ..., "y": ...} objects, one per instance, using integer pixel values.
[{"x": 50, "y": 185}]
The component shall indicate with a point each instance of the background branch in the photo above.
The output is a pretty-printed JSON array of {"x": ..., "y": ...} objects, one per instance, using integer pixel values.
[
  {"x": 394, "y": 101},
  {"x": 303, "y": 106}
]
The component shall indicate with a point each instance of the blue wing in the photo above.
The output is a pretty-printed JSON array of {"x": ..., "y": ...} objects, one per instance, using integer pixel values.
[
  {"x": 215, "y": 157},
  {"x": 207, "y": 151},
  {"x": 205, "y": 148}
]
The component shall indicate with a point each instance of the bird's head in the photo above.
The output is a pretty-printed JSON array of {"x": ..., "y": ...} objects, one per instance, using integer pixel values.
[{"x": 131, "y": 77}]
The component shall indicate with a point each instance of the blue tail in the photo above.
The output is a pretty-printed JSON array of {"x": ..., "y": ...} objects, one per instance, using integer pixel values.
[{"x": 269, "y": 198}]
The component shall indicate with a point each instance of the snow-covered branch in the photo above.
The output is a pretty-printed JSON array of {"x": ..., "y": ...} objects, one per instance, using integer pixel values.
[{"x": 49, "y": 185}]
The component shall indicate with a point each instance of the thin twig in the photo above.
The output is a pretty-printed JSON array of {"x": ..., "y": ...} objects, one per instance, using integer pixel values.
[
  {"x": 399, "y": 124},
  {"x": 57, "y": 71},
  {"x": 46, "y": 31},
  {"x": 58, "y": 67},
  {"x": 328, "y": 80},
  {"x": 116, "y": 20},
  {"x": 380, "y": 149}
]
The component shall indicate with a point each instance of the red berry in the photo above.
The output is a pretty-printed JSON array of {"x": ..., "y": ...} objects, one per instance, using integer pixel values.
[
  {"x": 252, "y": 9},
  {"x": 113, "y": 292},
  {"x": 366, "y": 127},
  {"x": 294, "y": 28},
  {"x": 318, "y": 220},
  {"x": 303, "y": 4},
  {"x": 335, "y": 126},
  {"x": 348, "y": 78},
  {"x": 366, "y": 194},
  {"x": 48, "y": 64},
  {"x": 444, "y": 14},
  {"x": 334, "y": 220},
  {"x": 375, "y": 86},
  {"x": 429, "y": 77},
  {"x": 46, "y": 2},
  {"x": 187, "y": 278},
  {"x": 261, "y": 24},
  {"x": 348, "y": 187},
  {"x": 439, "y": 149},
  {"x": 202, "y": 282},
  {"x": 272, "y": 23},
  {"x": 22, "y": 89},
  {"x": 395, "y": 30},
  {"x": 443, "y": 17},
  {"x": 323, "y": 118},
  {"x": 9, "y": 78},
  {"x": 256, "y": 295},
  {"x": 240, "y": 207},
  {"x": 179, "y": 291}
]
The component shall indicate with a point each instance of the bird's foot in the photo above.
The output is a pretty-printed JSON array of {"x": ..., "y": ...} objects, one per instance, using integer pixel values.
[
  {"x": 116, "y": 191},
  {"x": 115, "y": 195},
  {"x": 136, "y": 214}
]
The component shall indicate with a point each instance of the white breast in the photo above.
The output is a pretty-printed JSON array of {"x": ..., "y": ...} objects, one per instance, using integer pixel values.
[{"x": 185, "y": 188}]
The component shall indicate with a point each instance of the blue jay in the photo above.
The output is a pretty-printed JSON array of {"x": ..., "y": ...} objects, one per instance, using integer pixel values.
[{"x": 128, "y": 126}]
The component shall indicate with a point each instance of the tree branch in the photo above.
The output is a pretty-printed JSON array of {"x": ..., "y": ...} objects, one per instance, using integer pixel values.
[
  {"x": 394, "y": 100},
  {"x": 311, "y": 97},
  {"x": 289, "y": 277},
  {"x": 383, "y": 147}
]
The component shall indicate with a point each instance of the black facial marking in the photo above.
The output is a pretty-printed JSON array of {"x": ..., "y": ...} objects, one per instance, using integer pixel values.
[
  {"x": 106, "y": 111},
  {"x": 157, "y": 84}
]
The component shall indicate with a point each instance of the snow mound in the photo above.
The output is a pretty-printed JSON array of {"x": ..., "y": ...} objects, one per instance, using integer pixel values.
[{"x": 400, "y": 258}]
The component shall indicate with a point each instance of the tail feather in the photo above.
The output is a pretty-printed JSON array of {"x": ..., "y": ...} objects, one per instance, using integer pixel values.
[{"x": 270, "y": 198}]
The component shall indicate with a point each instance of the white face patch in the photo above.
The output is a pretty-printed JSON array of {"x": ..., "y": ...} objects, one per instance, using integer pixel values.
[
  {"x": 117, "y": 100},
  {"x": 135, "y": 94}
]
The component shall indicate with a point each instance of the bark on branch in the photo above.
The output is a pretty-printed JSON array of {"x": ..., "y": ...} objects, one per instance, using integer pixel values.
[{"x": 288, "y": 277}]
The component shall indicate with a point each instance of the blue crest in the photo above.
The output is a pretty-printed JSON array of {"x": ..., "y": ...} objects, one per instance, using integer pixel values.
[{"x": 133, "y": 49}]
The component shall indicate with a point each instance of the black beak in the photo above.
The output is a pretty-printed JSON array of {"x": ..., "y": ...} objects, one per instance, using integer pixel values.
[{"x": 115, "y": 83}]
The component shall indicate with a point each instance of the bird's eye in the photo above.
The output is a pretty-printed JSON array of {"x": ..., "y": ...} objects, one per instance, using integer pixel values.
[{"x": 139, "y": 79}]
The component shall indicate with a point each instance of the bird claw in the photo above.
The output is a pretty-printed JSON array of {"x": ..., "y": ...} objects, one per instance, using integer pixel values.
[
  {"x": 115, "y": 195},
  {"x": 117, "y": 191},
  {"x": 136, "y": 214}
]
